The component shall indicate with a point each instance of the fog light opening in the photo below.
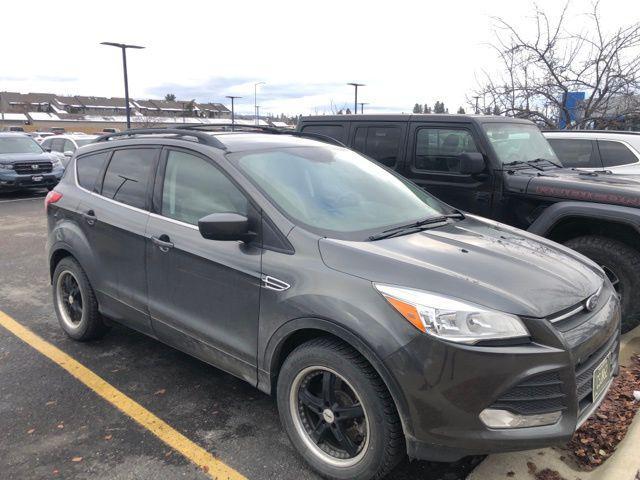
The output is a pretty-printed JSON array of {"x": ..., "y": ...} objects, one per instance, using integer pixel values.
[{"x": 494, "y": 418}]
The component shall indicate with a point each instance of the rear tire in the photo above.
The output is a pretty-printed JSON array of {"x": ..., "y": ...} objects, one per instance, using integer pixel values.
[
  {"x": 355, "y": 432},
  {"x": 621, "y": 263},
  {"x": 75, "y": 302}
]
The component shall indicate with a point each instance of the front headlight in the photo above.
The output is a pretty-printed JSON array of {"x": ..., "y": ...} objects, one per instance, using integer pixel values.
[
  {"x": 450, "y": 319},
  {"x": 6, "y": 166},
  {"x": 55, "y": 162}
]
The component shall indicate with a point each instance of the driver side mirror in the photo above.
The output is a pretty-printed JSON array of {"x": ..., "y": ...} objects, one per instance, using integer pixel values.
[
  {"x": 471, "y": 163},
  {"x": 225, "y": 227},
  {"x": 68, "y": 153}
]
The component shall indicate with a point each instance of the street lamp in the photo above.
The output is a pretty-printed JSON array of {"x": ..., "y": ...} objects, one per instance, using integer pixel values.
[
  {"x": 362, "y": 104},
  {"x": 356, "y": 85},
  {"x": 258, "y": 114},
  {"x": 233, "y": 111},
  {"x": 255, "y": 100},
  {"x": 124, "y": 47}
]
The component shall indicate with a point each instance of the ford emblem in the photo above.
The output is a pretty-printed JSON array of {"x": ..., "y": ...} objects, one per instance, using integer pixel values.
[{"x": 592, "y": 302}]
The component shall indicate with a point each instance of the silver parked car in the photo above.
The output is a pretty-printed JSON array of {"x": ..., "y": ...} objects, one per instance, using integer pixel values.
[
  {"x": 64, "y": 146},
  {"x": 613, "y": 150}
]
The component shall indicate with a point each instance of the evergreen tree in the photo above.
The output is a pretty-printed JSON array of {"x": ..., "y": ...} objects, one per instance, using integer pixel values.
[
  {"x": 461, "y": 111},
  {"x": 417, "y": 108},
  {"x": 170, "y": 97},
  {"x": 426, "y": 109},
  {"x": 439, "y": 107},
  {"x": 348, "y": 112},
  {"x": 496, "y": 110}
]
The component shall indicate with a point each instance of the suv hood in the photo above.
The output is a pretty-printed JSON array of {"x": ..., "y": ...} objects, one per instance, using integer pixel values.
[
  {"x": 575, "y": 185},
  {"x": 483, "y": 262},
  {"x": 24, "y": 157}
]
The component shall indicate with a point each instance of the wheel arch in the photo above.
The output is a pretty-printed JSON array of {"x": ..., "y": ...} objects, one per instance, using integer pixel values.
[
  {"x": 563, "y": 221},
  {"x": 299, "y": 331}
]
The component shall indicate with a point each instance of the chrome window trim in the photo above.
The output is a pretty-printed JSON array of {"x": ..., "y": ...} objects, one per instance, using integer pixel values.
[{"x": 173, "y": 220}]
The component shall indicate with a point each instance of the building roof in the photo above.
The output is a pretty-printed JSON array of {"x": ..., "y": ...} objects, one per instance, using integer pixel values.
[
  {"x": 173, "y": 106},
  {"x": 102, "y": 102},
  {"x": 213, "y": 107},
  {"x": 26, "y": 98}
]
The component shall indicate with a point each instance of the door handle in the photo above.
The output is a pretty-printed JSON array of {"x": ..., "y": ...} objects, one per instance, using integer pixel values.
[
  {"x": 163, "y": 242},
  {"x": 90, "y": 217}
]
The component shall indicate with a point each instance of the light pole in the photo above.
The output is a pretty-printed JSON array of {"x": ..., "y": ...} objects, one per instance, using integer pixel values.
[
  {"x": 477, "y": 108},
  {"x": 123, "y": 47},
  {"x": 257, "y": 114},
  {"x": 355, "y": 103},
  {"x": 233, "y": 111},
  {"x": 255, "y": 100},
  {"x": 362, "y": 104}
]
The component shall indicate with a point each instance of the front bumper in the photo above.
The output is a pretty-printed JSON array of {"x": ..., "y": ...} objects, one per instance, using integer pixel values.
[
  {"x": 10, "y": 180},
  {"x": 446, "y": 386}
]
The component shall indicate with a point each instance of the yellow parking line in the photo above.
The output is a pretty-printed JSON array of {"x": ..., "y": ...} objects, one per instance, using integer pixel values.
[{"x": 196, "y": 454}]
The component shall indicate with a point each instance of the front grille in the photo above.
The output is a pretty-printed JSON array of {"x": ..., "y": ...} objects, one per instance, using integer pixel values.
[
  {"x": 584, "y": 373},
  {"x": 32, "y": 168},
  {"x": 540, "y": 393}
]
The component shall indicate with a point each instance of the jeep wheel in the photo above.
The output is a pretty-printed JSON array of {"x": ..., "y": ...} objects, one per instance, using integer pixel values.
[
  {"x": 338, "y": 413},
  {"x": 75, "y": 303},
  {"x": 621, "y": 263}
]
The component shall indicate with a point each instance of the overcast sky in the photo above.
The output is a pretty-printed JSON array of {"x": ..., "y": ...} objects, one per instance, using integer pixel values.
[{"x": 404, "y": 51}]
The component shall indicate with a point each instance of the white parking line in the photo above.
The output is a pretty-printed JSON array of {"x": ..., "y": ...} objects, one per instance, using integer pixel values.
[{"x": 22, "y": 199}]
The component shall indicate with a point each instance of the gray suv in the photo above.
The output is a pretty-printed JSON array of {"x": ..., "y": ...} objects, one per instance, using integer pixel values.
[{"x": 384, "y": 321}]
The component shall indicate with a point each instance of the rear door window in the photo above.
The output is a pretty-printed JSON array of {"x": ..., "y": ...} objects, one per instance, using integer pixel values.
[
  {"x": 57, "y": 145},
  {"x": 615, "y": 153},
  {"x": 88, "y": 168},
  {"x": 68, "y": 146},
  {"x": 128, "y": 175},
  {"x": 575, "y": 153},
  {"x": 336, "y": 132},
  {"x": 437, "y": 149},
  {"x": 380, "y": 143}
]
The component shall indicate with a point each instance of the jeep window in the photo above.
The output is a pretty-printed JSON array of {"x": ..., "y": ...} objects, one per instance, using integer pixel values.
[
  {"x": 333, "y": 131},
  {"x": 19, "y": 144},
  {"x": 437, "y": 149},
  {"x": 574, "y": 153},
  {"x": 194, "y": 188},
  {"x": 615, "y": 153},
  {"x": 127, "y": 176},
  {"x": 88, "y": 167},
  {"x": 518, "y": 142},
  {"x": 336, "y": 192},
  {"x": 380, "y": 143}
]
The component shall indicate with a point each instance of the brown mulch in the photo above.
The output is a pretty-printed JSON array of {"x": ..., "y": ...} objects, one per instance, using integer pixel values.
[{"x": 596, "y": 440}]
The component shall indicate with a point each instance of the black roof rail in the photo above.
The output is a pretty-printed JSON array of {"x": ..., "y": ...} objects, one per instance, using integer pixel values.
[
  {"x": 265, "y": 129},
  {"x": 202, "y": 137}
]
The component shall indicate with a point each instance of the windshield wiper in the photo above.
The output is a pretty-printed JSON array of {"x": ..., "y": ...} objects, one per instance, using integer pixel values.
[
  {"x": 546, "y": 160},
  {"x": 415, "y": 226},
  {"x": 522, "y": 162}
]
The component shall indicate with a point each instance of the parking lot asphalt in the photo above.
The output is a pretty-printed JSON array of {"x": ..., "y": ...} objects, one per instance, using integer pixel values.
[{"x": 54, "y": 426}]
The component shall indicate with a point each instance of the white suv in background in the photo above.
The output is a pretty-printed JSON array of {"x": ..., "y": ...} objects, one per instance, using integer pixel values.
[
  {"x": 64, "y": 146},
  {"x": 617, "y": 151}
]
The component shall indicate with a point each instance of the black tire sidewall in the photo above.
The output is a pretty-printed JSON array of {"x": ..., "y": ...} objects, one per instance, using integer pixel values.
[
  {"x": 68, "y": 264},
  {"x": 373, "y": 461},
  {"x": 621, "y": 260}
]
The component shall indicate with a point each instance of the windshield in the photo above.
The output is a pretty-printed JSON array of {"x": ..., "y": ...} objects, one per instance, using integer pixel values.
[
  {"x": 336, "y": 192},
  {"x": 518, "y": 142},
  {"x": 18, "y": 144}
]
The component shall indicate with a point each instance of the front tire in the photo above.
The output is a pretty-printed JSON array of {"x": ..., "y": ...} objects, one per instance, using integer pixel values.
[
  {"x": 338, "y": 412},
  {"x": 75, "y": 302},
  {"x": 621, "y": 263}
]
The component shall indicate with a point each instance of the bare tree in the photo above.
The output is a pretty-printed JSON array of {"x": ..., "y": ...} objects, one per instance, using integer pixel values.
[{"x": 539, "y": 72}]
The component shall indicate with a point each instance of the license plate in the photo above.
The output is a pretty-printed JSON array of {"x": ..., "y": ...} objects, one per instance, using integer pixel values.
[
  {"x": 37, "y": 178},
  {"x": 601, "y": 376}
]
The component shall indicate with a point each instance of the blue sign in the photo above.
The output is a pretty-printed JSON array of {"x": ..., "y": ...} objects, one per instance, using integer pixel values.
[{"x": 573, "y": 103}]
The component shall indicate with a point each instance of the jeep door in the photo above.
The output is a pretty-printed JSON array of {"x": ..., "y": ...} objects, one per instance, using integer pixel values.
[
  {"x": 433, "y": 163},
  {"x": 384, "y": 142},
  {"x": 203, "y": 294}
]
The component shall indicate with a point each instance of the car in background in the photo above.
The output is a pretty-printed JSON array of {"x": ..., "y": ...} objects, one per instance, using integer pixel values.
[
  {"x": 64, "y": 146},
  {"x": 12, "y": 128},
  {"x": 40, "y": 136},
  {"x": 617, "y": 151},
  {"x": 24, "y": 164}
]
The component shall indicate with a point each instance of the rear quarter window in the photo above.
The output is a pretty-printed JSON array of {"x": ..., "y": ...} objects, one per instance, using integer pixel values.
[
  {"x": 615, "y": 153},
  {"x": 336, "y": 132},
  {"x": 574, "y": 153},
  {"x": 88, "y": 167},
  {"x": 128, "y": 175}
]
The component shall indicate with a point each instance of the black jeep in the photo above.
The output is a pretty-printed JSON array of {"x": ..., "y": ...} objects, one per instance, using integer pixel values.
[{"x": 503, "y": 168}]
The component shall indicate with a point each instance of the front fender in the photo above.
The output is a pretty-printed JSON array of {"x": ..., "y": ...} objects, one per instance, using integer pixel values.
[
  {"x": 555, "y": 213},
  {"x": 280, "y": 336}
]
